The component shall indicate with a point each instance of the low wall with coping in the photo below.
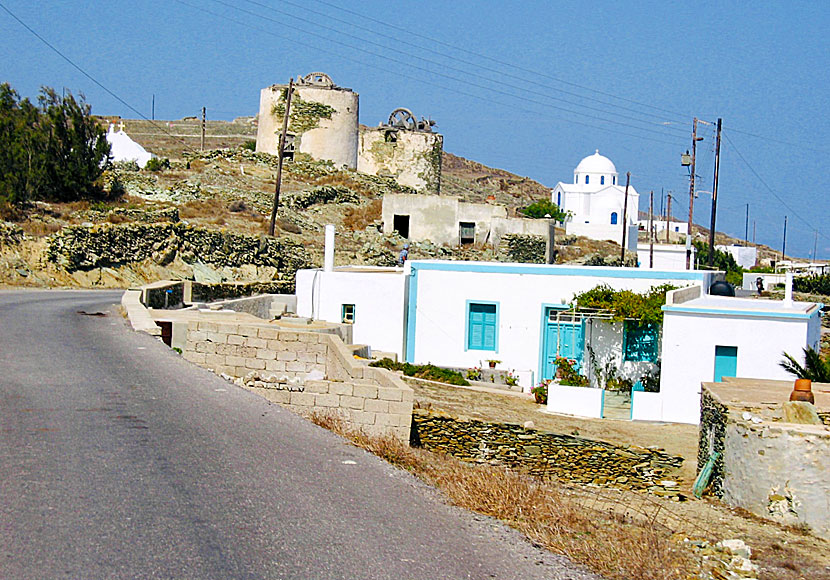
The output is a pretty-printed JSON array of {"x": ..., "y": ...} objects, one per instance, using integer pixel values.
[{"x": 305, "y": 372}]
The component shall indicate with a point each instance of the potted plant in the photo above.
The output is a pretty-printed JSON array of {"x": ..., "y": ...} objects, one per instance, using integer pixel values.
[
  {"x": 493, "y": 362},
  {"x": 474, "y": 374},
  {"x": 540, "y": 392}
]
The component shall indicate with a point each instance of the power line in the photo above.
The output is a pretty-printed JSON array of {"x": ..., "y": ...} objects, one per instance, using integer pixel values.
[
  {"x": 500, "y": 62},
  {"x": 490, "y": 100},
  {"x": 764, "y": 183},
  {"x": 433, "y": 72},
  {"x": 463, "y": 61},
  {"x": 87, "y": 75}
]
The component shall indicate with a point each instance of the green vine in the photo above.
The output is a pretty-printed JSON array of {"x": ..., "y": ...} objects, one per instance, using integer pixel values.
[
  {"x": 625, "y": 304},
  {"x": 305, "y": 115}
]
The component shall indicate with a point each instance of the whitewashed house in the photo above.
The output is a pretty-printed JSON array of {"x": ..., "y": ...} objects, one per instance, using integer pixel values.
[{"x": 596, "y": 201}]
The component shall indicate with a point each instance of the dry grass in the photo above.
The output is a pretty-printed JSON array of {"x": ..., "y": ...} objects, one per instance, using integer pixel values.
[
  {"x": 203, "y": 208},
  {"x": 608, "y": 541},
  {"x": 358, "y": 218}
]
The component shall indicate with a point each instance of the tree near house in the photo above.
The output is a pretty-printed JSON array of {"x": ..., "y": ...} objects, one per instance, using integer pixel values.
[
  {"x": 53, "y": 151},
  {"x": 815, "y": 368},
  {"x": 545, "y": 208}
]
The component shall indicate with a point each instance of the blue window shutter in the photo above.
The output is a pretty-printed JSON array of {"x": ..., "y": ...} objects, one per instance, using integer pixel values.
[{"x": 481, "y": 327}]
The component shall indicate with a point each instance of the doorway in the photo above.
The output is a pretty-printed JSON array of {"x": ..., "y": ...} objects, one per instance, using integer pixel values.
[
  {"x": 564, "y": 335},
  {"x": 726, "y": 362},
  {"x": 400, "y": 223}
]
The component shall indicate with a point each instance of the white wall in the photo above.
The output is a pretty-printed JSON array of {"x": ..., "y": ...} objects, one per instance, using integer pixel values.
[
  {"x": 578, "y": 401},
  {"x": 441, "y": 314},
  {"x": 377, "y": 293},
  {"x": 666, "y": 256},
  {"x": 606, "y": 340},
  {"x": 745, "y": 256},
  {"x": 689, "y": 341}
]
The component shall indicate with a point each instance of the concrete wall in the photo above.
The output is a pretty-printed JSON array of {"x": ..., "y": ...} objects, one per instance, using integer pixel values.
[
  {"x": 689, "y": 341},
  {"x": 413, "y": 159},
  {"x": 773, "y": 469},
  {"x": 438, "y": 331},
  {"x": 332, "y": 139},
  {"x": 745, "y": 256},
  {"x": 436, "y": 218},
  {"x": 577, "y": 401},
  {"x": 770, "y": 280},
  {"x": 666, "y": 256},
  {"x": 377, "y": 293},
  {"x": 305, "y": 371},
  {"x": 524, "y": 226},
  {"x": 604, "y": 232}
]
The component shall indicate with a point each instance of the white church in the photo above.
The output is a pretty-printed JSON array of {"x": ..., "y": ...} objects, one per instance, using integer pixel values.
[{"x": 595, "y": 201}]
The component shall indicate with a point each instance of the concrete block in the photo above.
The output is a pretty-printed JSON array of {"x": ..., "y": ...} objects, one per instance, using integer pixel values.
[
  {"x": 276, "y": 345},
  {"x": 255, "y": 364},
  {"x": 236, "y": 339},
  {"x": 267, "y": 333},
  {"x": 389, "y": 394},
  {"x": 376, "y": 406},
  {"x": 351, "y": 402},
  {"x": 321, "y": 359},
  {"x": 288, "y": 336},
  {"x": 365, "y": 391},
  {"x": 255, "y": 342},
  {"x": 241, "y": 371},
  {"x": 275, "y": 366},
  {"x": 340, "y": 388},
  {"x": 302, "y": 399},
  {"x": 214, "y": 360},
  {"x": 225, "y": 349},
  {"x": 247, "y": 331},
  {"x": 311, "y": 367},
  {"x": 235, "y": 361},
  {"x": 286, "y": 355},
  {"x": 401, "y": 408},
  {"x": 194, "y": 357},
  {"x": 265, "y": 354},
  {"x": 386, "y": 420},
  {"x": 308, "y": 337},
  {"x": 405, "y": 421},
  {"x": 364, "y": 418},
  {"x": 316, "y": 387},
  {"x": 226, "y": 328},
  {"x": 275, "y": 396},
  {"x": 407, "y": 395},
  {"x": 307, "y": 357},
  {"x": 317, "y": 348},
  {"x": 247, "y": 351},
  {"x": 196, "y": 335},
  {"x": 295, "y": 367},
  {"x": 217, "y": 337},
  {"x": 326, "y": 400},
  {"x": 193, "y": 325},
  {"x": 208, "y": 327},
  {"x": 206, "y": 347}
]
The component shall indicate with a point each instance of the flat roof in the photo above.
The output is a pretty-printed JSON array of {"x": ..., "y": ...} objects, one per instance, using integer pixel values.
[
  {"x": 745, "y": 306},
  {"x": 560, "y": 270}
]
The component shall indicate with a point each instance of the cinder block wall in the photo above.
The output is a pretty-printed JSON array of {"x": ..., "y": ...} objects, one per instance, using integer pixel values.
[{"x": 372, "y": 399}]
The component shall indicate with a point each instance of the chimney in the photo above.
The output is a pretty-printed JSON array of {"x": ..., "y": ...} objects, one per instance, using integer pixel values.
[{"x": 328, "y": 256}]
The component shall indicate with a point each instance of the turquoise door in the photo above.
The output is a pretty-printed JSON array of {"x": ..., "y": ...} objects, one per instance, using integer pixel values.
[
  {"x": 564, "y": 339},
  {"x": 726, "y": 362}
]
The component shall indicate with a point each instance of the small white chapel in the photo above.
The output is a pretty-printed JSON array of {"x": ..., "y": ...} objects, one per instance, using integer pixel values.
[{"x": 595, "y": 200}]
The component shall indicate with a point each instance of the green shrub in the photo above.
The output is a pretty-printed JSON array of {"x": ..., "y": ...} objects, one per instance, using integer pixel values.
[
  {"x": 545, "y": 207},
  {"x": 427, "y": 371},
  {"x": 157, "y": 164},
  {"x": 250, "y": 145}
]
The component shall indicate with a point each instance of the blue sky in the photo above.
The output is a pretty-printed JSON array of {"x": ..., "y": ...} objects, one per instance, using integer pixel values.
[{"x": 531, "y": 87}]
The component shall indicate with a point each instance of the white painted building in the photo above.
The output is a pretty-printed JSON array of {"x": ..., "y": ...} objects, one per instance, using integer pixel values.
[
  {"x": 661, "y": 224},
  {"x": 744, "y": 256},
  {"x": 596, "y": 201},
  {"x": 706, "y": 338},
  {"x": 666, "y": 256}
]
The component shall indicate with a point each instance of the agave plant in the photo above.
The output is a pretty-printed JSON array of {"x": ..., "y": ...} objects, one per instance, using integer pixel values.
[{"x": 815, "y": 369}]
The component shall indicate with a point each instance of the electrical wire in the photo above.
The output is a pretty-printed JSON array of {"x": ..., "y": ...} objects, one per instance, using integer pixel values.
[
  {"x": 93, "y": 79},
  {"x": 432, "y": 83},
  {"x": 463, "y": 61}
]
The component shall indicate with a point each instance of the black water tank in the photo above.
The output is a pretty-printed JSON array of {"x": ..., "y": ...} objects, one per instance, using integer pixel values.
[{"x": 722, "y": 288}]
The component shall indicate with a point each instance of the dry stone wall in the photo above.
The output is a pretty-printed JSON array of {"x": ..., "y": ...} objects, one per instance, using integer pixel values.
[
  {"x": 305, "y": 372},
  {"x": 527, "y": 248},
  {"x": 565, "y": 457}
]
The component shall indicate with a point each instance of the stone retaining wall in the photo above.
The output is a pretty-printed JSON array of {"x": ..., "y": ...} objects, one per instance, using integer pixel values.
[
  {"x": 305, "y": 372},
  {"x": 547, "y": 454}
]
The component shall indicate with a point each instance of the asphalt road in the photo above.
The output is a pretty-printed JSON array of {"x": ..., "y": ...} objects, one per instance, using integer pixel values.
[{"x": 120, "y": 460}]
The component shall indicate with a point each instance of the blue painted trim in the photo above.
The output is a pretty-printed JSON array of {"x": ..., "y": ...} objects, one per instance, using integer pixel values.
[
  {"x": 467, "y": 325},
  {"x": 739, "y": 313},
  {"x": 409, "y": 353},
  {"x": 602, "y": 405},
  {"x": 549, "y": 270}
]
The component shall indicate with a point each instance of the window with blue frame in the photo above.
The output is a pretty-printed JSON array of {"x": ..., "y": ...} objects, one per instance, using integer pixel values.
[
  {"x": 641, "y": 343},
  {"x": 613, "y": 218},
  {"x": 586, "y": 180},
  {"x": 602, "y": 180},
  {"x": 482, "y": 325}
]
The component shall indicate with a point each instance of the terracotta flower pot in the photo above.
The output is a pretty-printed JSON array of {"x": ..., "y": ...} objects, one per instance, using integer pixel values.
[
  {"x": 492, "y": 364},
  {"x": 802, "y": 391}
]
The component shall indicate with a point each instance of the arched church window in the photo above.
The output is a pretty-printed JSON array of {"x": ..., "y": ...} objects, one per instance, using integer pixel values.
[
  {"x": 602, "y": 180},
  {"x": 613, "y": 181},
  {"x": 559, "y": 199},
  {"x": 613, "y": 218},
  {"x": 586, "y": 179}
]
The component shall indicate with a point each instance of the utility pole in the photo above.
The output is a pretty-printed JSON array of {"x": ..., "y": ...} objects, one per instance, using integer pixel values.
[
  {"x": 753, "y": 232},
  {"x": 625, "y": 217},
  {"x": 668, "y": 216},
  {"x": 714, "y": 200},
  {"x": 784, "y": 245},
  {"x": 203, "y": 128},
  {"x": 692, "y": 190},
  {"x": 815, "y": 246},
  {"x": 651, "y": 229},
  {"x": 746, "y": 228},
  {"x": 153, "y": 109},
  {"x": 280, "y": 155}
]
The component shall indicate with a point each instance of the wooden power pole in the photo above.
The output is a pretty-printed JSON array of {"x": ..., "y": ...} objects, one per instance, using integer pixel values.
[
  {"x": 203, "y": 129},
  {"x": 651, "y": 229},
  {"x": 692, "y": 192},
  {"x": 714, "y": 200},
  {"x": 668, "y": 216},
  {"x": 625, "y": 218},
  {"x": 280, "y": 155}
]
